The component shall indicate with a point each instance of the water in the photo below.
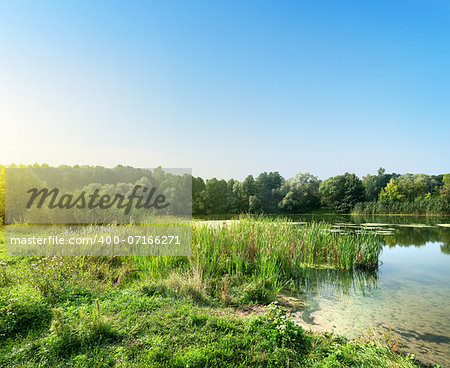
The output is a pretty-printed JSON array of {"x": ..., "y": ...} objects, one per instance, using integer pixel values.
[{"x": 409, "y": 293}]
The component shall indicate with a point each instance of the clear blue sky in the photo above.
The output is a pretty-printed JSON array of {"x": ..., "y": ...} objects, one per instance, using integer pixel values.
[{"x": 228, "y": 88}]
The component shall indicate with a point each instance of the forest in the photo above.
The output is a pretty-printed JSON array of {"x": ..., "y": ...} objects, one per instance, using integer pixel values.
[
  {"x": 270, "y": 193},
  {"x": 382, "y": 193}
]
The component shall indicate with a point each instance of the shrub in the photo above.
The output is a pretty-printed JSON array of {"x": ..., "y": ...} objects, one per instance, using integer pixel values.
[{"x": 285, "y": 342}]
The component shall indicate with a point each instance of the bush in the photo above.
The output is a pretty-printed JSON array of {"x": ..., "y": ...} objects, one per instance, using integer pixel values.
[{"x": 285, "y": 342}]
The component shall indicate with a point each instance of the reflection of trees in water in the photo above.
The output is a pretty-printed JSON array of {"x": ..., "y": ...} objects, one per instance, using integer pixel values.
[
  {"x": 445, "y": 248},
  {"x": 402, "y": 236},
  {"x": 364, "y": 219},
  {"x": 417, "y": 237},
  {"x": 338, "y": 282},
  {"x": 405, "y": 220}
]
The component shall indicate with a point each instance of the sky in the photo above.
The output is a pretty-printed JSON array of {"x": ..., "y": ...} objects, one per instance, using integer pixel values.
[{"x": 227, "y": 88}]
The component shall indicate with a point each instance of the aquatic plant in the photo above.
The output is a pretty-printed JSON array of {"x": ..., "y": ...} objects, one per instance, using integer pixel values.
[{"x": 260, "y": 256}]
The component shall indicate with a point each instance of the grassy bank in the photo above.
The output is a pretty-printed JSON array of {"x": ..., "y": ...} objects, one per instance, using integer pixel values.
[
  {"x": 61, "y": 312},
  {"x": 175, "y": 311}
]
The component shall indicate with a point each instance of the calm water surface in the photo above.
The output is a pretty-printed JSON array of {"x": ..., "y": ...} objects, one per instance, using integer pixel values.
[{"x": 409, "y": 293}]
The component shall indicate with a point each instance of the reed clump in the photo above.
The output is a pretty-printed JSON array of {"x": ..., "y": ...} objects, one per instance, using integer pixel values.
[
  {"x": 254, "y": 258},
  {"x": 266, "y": 246}
]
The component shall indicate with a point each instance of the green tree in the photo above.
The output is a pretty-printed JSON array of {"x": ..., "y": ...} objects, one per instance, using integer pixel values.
[
  {"x": 331, "y": 191},
  {"x": 391, "y": 192},
  {"x": 233, "y": 196},
  {"x": 445, "y": 190},
  {"x": 19, "y": 182},
  {"x": 244, "y": 191},
  {"x": 216, "y": 196},
  {"x": 2, "y": 193},
  {"x": 267, "y": 191},
  {"x": 353, "y": 192},
  {"x": 407, "y": 187},
  {"x": 374, "y": 183},
  {"x": 254, "y": 204},
  {"x": 301, "y": 194},
  {"x": 198, "y": 196},
  {"x": 342, "y": 192}
]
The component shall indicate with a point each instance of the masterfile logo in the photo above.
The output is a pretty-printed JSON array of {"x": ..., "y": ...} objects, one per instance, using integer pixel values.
[
  {"x": 96, "y": 211},
  {"x": 97, "y": 195},
  {"x": 53, "y": 199}
]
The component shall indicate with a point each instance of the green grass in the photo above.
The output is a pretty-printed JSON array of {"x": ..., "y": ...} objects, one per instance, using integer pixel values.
[
  {"x": 128, "y": 327},
  {"x": 172, "y": 311},
  {"x": 431, "y": 206},
  {"x": 252, "y": 259},
  {"x": 265, "y": 245}
]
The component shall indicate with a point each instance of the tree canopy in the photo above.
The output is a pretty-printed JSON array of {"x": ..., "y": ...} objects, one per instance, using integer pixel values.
[{"x": 269, "y": 192}]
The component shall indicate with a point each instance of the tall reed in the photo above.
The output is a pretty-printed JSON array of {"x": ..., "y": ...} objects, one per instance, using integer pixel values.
[
  {"x": 263, "y": 254},
  {"x": 266, "y": 246}
]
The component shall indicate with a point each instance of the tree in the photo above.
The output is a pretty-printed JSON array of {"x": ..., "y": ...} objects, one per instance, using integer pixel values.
[
  {"x": 353, "y": 192},
  {"x": 198, "y": 196},
  {"x": 2, "y": 193},
  {"x": 216, "y": 196},
  {"x": 445, "y": 190},
  {"x": 267, "y": 191},
  {"x": 301, "y": 194},
  {"x": 254, "y": 204},
  {"x": 391, "y": 192},
  {"x": 244, "y": 191},
  {"x": 19, "y": 182},
  {"x": 331, "y": 191},
  {"x": 234, "y": 205},
  {"x": 342, "y": 192},
  {"x": 374, "y": 183}
]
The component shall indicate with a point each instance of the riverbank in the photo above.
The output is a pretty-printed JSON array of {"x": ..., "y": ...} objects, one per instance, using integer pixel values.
[
  {"x": 57, "y": 312},
  {"x": 172, "y": 312}
]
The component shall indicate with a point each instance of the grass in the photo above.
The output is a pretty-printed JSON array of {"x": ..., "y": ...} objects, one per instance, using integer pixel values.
[
  {"x": 173, "y": 311},
  {"x": 432, "y": 206},
  {"x": 252, "y": 259},
  {"x": 265, "y": 245},
  {"x": 127, "y": 327}
]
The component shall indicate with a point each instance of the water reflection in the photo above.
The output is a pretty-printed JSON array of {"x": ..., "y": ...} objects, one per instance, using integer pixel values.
[
  {"x": 418, "y": 237},
  {"x": 315, "y": 282},
  {"x": 409, "y": 293},
  {"x": 445, "y": 248},
  {"x": 400, "y": 234}
]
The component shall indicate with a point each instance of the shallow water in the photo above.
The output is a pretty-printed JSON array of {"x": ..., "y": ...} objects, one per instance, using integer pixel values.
[{"x": 409, "y": 293}]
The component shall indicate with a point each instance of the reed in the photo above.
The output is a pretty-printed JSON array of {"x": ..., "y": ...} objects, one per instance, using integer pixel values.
[
  {"x": 259, "y": 250},
  {"x": 267, "y": 246}
]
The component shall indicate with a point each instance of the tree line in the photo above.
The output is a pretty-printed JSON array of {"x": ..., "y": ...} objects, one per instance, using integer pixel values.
[
  {"x": 93, "y": 194},
  {"x": 271, "y": 193}
]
